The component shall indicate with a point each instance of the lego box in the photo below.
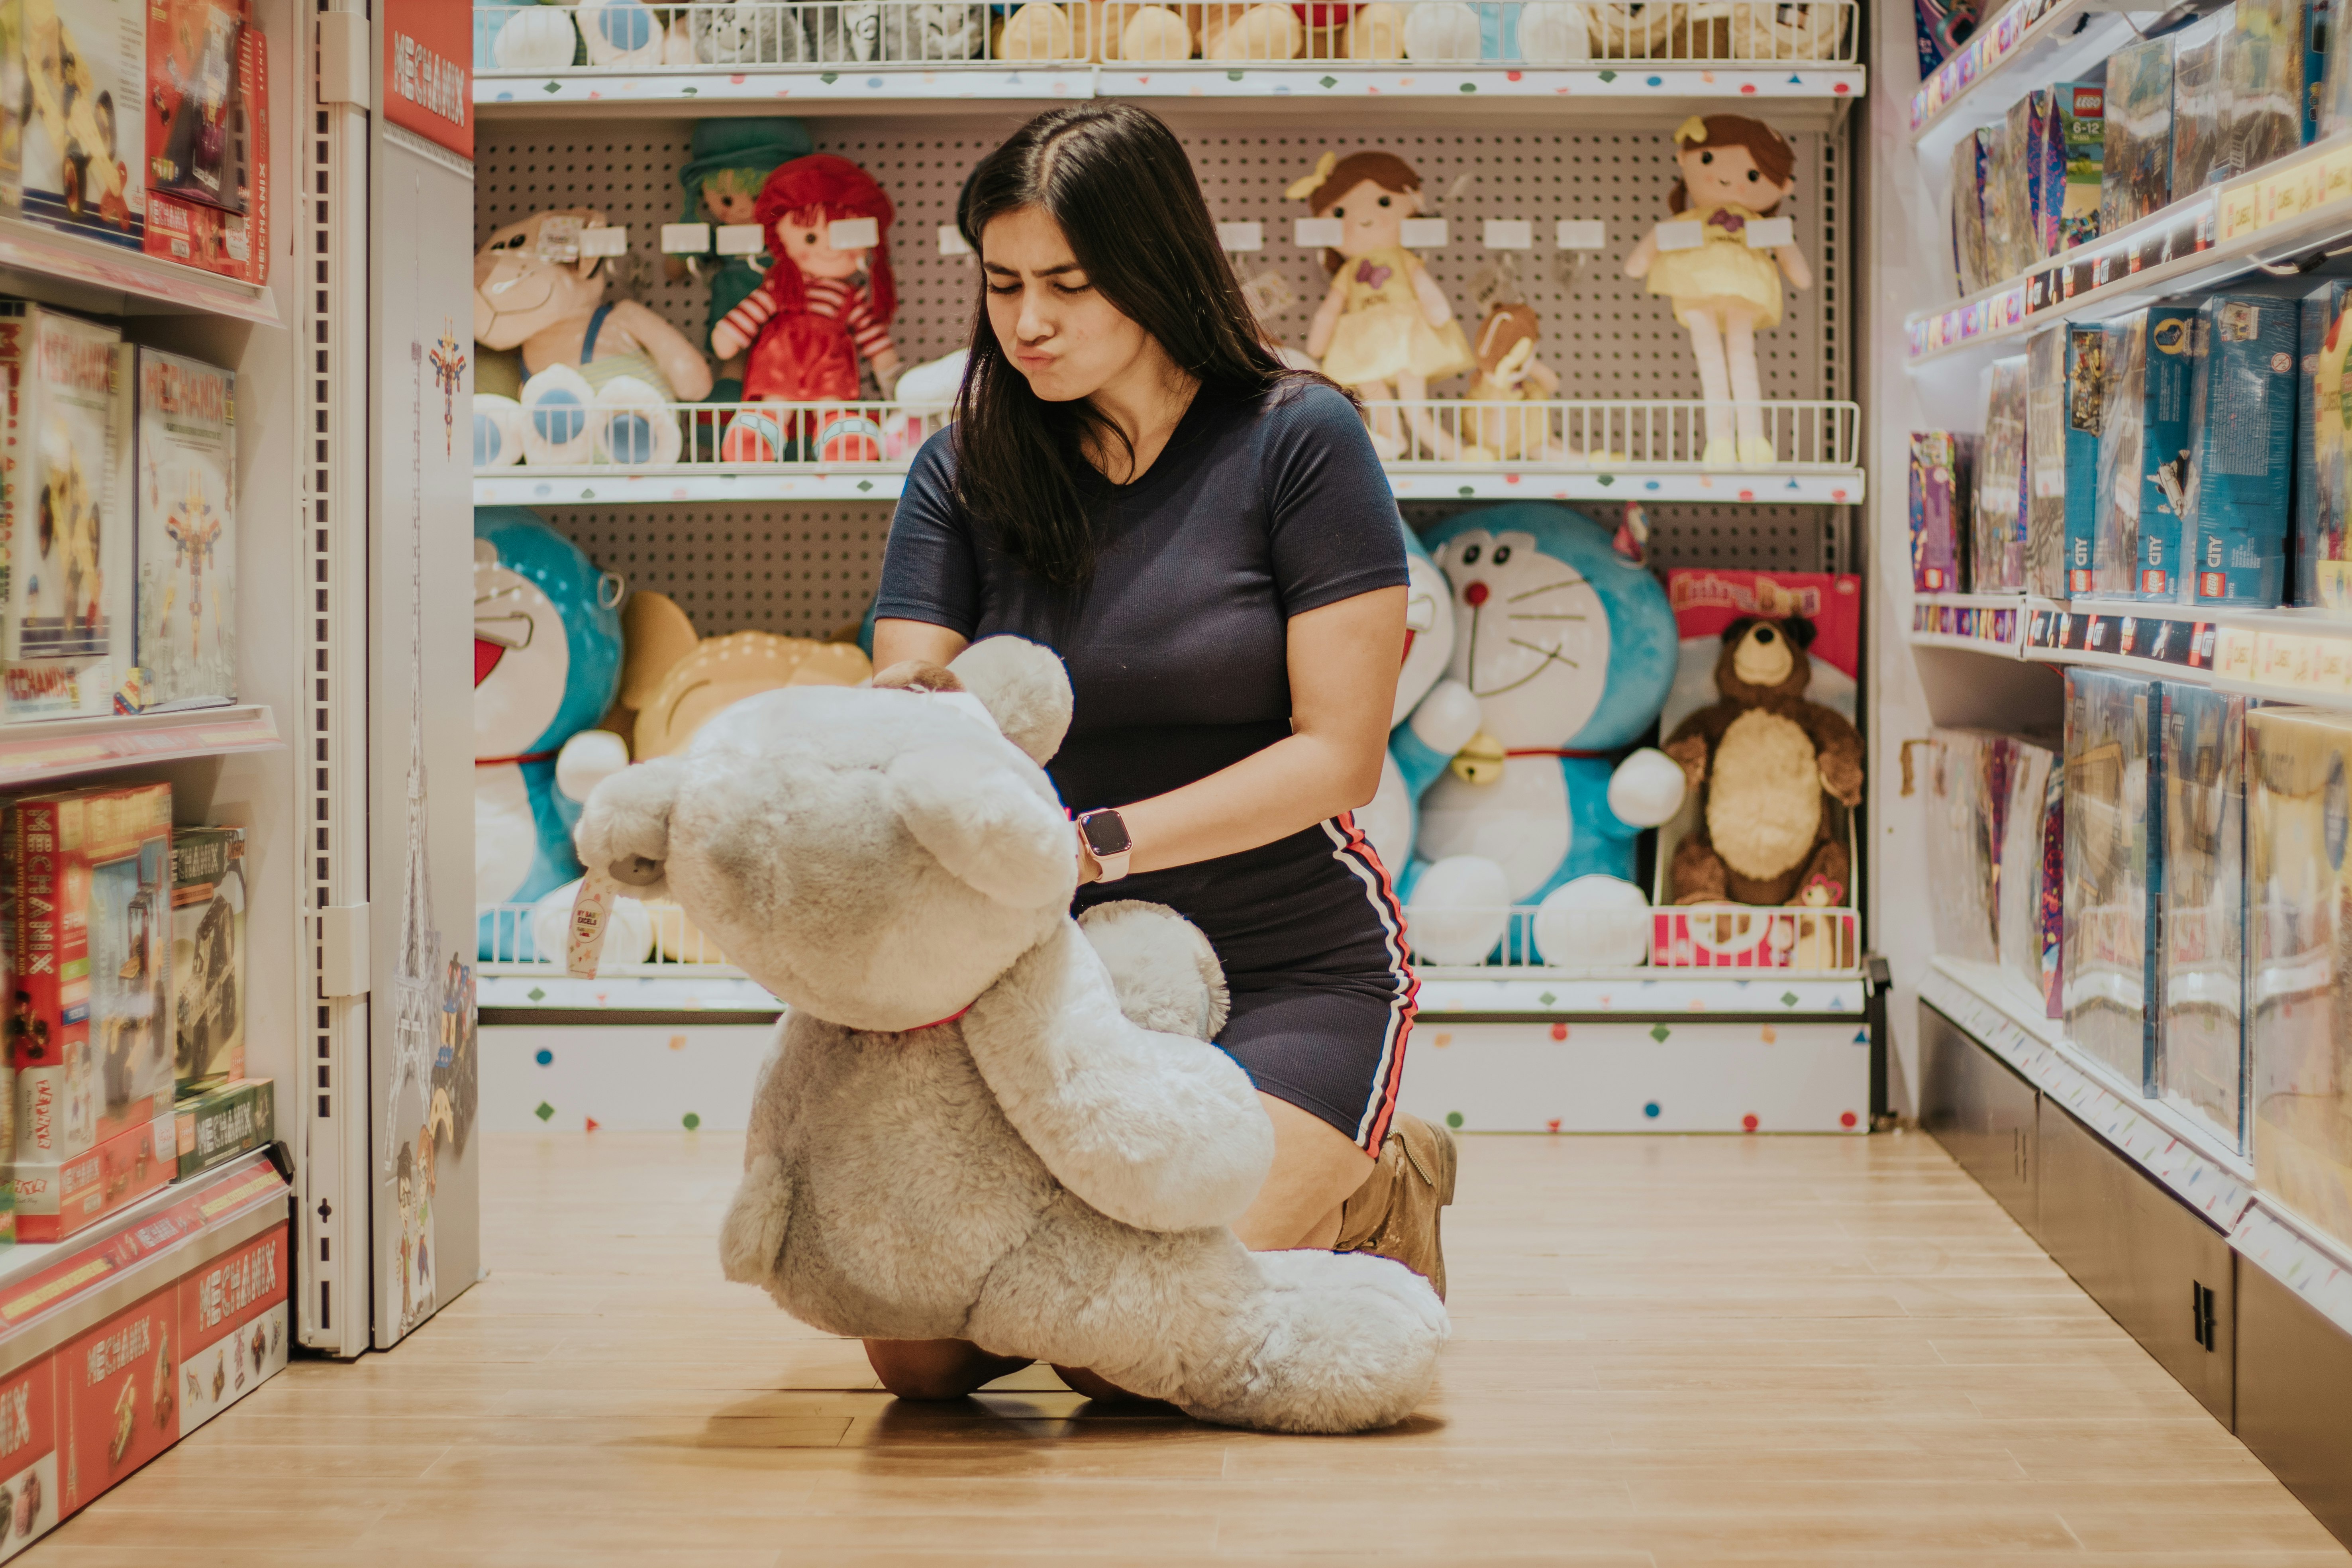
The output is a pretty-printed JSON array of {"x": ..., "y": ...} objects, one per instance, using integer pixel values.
[
  {"x": 2078, "y": 132},
  {"x": 89, "y": 906},
  {"x": 185, "y": 532},
  {"x": 2142, "y": 448},
  {"x": 2242, "y": 408},
  {"x": 84, "y": 141},
  {"x": 2322, "y": 545},
  {"x": 65, "y": 514},
  {"x": 208, "y": 954}
]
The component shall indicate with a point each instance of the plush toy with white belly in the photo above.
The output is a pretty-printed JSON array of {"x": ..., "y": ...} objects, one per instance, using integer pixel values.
[
  {"x": 1434, "y": 718},
  {"x": 547, "y": 660},
  {"x": 1568, "y": 649}
]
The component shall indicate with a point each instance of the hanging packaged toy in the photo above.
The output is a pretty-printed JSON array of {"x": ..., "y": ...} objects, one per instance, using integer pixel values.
[
  {"x": 1721, "y": 262},
  {"x": 1385, "y": 330},
  {"x": 733, "y": 160},
  {"x": 805, "y": 329}
]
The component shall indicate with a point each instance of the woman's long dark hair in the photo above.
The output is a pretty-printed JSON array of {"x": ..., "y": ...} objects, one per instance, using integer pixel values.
[{"x": 1117, "y": 183}]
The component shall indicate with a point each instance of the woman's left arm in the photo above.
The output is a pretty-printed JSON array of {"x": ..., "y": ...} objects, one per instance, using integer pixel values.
[{"x": 1343, "y": 660}]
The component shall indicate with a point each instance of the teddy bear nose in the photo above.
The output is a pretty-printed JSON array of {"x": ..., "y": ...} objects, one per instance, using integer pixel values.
[
  {"x": 1474, "y": 595},
  {"x": 1764, "y": 636}
]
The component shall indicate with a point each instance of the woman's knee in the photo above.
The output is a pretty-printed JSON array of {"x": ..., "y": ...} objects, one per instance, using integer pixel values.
[{"x": 932, "y": 1369}]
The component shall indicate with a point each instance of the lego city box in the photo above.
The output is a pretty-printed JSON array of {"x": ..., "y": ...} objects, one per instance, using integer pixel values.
[
  {"x": 85, "y": 77},
  {"x": 65, "y": 514},
  {"x": 85, "y": 875}
]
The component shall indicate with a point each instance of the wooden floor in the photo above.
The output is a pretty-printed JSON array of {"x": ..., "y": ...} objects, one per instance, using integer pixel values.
[{"x": 1803, "y": 1350}]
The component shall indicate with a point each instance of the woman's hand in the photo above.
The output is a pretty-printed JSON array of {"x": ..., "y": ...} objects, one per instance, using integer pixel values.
[{"x": 1089, "y": 868}]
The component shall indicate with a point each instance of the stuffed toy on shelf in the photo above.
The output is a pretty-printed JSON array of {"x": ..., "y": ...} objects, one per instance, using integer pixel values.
[
  {"x": 1042, "y": 30},
  {"x": 601, "y": 373},
  {"x": 1511, "y": 378},
  {"x": 1768, "y": 761},
  {"x": 1385, "y": 331},
  {"x": 1735, "y": 172},
  {"x": 547, "y": 659},
  {"x": 1570, "y": 647},
  {"x": 1532, "y": 32},
  {"x": 733, "y": 160},
  {"x": 1134, "y": 31},
  {"x": 826, "y": 301},
  {"x": 1432, "y": 719}
]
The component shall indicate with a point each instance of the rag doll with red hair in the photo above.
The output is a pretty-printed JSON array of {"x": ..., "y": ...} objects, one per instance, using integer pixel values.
[{"x": 805, "y": 329}]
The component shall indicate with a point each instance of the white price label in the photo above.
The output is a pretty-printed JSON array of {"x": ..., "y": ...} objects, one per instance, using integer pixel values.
[
  {"x": 686, "y": 239},
  {"x": 1314, "y": 232},
  {"x": 854, "y": 233},
  {"x": 1771, "y": 233},
  {"x": 1509, "y": 234},
  {"x": 741, "y": 239},
  {"x": 1423, "y": 233},
  {"x": 612, "y": 239},
  {"x": 1239, "y": 237},
  {"x": 1683, "y": 233},
  {"x": 1581, "y": 233},
  {"x": 951, "y": 241}
]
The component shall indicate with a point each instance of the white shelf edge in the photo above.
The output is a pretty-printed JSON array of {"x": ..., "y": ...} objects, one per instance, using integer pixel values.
[
  {"x": 1991, "y": 647},
  {"x": 40, "y": 750},
  {"x": 72, "y": 260}
]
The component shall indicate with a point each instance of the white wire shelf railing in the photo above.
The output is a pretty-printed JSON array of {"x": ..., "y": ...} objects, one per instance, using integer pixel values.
[
  {"x": 656, "y": 439},
  {"x": 644, "y": 937},
  {"x": 626, "y": 36}
]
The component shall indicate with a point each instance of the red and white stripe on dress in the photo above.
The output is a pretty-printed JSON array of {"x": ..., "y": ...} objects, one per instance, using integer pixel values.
[
  {"x": 851, "y": 305},
  {"x": 1353, "y": 850}
]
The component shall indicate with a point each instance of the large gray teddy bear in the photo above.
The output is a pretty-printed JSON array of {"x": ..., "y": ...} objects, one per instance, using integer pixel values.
[{"x": 980, "y": 1120}]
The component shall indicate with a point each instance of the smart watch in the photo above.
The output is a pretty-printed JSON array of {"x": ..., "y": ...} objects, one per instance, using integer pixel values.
[{"x": 1107, "y": 839}]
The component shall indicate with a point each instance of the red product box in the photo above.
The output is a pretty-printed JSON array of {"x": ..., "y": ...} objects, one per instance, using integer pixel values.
[
  {"x": 119, "y": 1388},
  {"x": 233, "y": 1327},
  {"x": 30, "y": 1505},
  {"x": 232, "y": 244},
  {"x": 55, "y": 1200},
  {"x": 86, "y": 877}
]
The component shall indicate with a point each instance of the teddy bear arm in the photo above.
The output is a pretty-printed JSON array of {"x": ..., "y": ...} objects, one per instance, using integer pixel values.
[
  {"x": 1691, "y": 753},
  {"x": 1157, "y": 1130},
  {"x": 1839, "y": 747}
]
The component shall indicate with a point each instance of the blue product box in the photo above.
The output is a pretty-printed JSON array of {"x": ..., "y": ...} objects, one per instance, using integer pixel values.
[
  {"x": 2241, "y": 455},
  {"x": 2321, "y": 542},
  {"x": 2086, "y": 394},
  {"x": 2143, "y": 447}
]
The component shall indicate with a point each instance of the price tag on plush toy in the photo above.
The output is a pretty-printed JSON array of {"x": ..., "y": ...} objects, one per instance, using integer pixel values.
[
  {"x": 1239, "y": 237},
  {"x": 741, "y": 239},
  {"x": 951, "y": 241},
  {"x": 686, "y": 239},
  {"x": 584, "y": 940},
  {"x": 1316, "y": 232},
  {"x": 559, "y": 238},
  {"x": 608, "y": 239},
  {"x": 1771, "y": 233},
  {"x": 853, "y": 234},
  {"x": 1684, "y": 235},
  {"x": 1509, "y": 234},
  {"x": 1423, "y": 233}
]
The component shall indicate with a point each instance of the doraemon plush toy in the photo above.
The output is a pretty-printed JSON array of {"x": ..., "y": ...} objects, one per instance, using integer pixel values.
[
  {"x": 547, "y": 659},
  {"x": 1434, "y": 718},
  {"x": 1569, "y": 648}
]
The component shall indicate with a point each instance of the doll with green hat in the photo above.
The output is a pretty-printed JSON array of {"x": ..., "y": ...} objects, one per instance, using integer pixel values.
[{"x": 733, "y": 160}]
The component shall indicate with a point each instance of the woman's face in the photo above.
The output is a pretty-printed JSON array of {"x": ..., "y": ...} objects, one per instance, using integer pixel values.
[
  {"x": 1722, "y": 176},
  {"x": 1053, "y": 324},
  {"x": 1372, "y": 217}
]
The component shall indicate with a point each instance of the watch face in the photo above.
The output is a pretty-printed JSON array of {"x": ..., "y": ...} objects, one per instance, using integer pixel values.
[{"x": 1106, "y": 833}]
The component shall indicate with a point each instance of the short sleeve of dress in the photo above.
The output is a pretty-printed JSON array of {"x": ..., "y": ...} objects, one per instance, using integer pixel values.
[
  {"x": 1332, "y": 518},
  {"x": 930, "y": 571}
]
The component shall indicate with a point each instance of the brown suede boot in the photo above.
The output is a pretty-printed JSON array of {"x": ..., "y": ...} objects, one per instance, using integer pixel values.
[{"x": 1395, "y": 1213}]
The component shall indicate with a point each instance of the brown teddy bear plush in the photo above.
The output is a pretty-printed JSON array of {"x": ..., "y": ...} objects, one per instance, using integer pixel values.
[{"x": 1760, "y": 760}]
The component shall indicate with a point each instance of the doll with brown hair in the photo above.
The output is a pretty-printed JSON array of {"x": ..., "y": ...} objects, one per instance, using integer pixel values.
[
  {"x": 1735, "y": 171},
  {"x": 1509, "y": 374},
  {"x": 1385, "y": 330}
]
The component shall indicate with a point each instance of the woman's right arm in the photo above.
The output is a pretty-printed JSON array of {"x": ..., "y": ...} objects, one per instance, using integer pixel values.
[
  {"x": 929, "y": 601},
  {"x": 896, "y": 641}
]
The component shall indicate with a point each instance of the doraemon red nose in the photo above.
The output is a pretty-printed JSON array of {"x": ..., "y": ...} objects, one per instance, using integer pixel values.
[{"x": 1474, "y": 595}]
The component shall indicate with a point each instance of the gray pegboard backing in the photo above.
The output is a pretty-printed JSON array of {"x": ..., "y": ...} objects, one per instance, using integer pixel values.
[
  {"x": 804, "y": 571},
  {"x": 1761, "y": 538},
  {"x": 1605, "y": 334}
]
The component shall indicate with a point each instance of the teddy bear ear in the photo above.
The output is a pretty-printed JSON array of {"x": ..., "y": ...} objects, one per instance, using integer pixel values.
[
  {"x": 985, "y": 824},
  {"x": 1800, "y": 630},
  {"x": 624, "y": 827},
  {"x": 1024, "y": 686},
  {"x": 1737, "y": 629}
]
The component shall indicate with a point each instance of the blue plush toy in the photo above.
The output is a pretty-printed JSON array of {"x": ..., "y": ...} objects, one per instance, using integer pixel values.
[
  {"x": 547, "y": 660},
  {"x": 1569, "y": 649},
  {"x": 1434, "y": 716}
]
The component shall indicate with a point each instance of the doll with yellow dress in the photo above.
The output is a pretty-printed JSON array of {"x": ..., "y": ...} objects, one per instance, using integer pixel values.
[
  {"x": 1385, "y": 331},
  {"x": 1736, "y": 172}
]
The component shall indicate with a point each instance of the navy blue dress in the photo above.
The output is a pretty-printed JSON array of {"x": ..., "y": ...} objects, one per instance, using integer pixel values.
[{"x": 1260, "y": 508}]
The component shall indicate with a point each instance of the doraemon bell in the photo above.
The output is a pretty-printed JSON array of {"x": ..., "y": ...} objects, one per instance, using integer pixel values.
[{"x": 547, "y": 660}]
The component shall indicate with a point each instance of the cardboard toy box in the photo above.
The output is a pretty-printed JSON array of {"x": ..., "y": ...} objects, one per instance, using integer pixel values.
[
  {"x": 208, "y": 954},
  {"x": 233, "y": 1328},
  {"x": 2323, "y": 499},
  {"x": 2114, "y": 871},
  {"x": 57, "y": 1198},
  {"x": 1943, "y": 490},
  {"x": 2143, "y": 447},
  {"x": 66, "y": 448},
  {"x": 85, "y": 138},
  {"x": 228, "y": 234},
  {"x": 85, "y": 877},
  {"x": 2242, "y": 408},
  {"x": 218, "y": 1123},
  {"x": 185, "y": 532}
]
